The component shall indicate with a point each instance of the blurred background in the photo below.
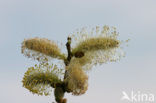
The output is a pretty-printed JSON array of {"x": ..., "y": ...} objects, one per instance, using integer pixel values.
[{"x": 55, "y": 20}]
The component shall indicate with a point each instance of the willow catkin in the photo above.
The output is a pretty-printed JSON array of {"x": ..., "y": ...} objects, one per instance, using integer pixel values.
[
  {"x": 39, "y": 48},
  {"x": 39, "y": 79},
  {"x": 100, "y": 45},
  {"x": 76, "y": 79}
]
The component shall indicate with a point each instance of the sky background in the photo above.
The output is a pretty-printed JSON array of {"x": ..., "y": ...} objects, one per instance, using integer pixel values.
[{"x": 55, "y": 20}]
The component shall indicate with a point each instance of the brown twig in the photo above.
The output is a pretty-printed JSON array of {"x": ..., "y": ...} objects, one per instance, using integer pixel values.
[{"x": 63, "y": 86}]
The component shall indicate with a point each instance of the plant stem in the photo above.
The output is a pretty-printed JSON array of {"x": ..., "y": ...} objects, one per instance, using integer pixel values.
[
  {"x": 60, "y": 89},
  {"x": 67, "y": 61},
  {"x": 68, "y": 46}
]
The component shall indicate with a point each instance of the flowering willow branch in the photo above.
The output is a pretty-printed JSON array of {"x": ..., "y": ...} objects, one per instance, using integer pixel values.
[{"x": 89, "y": 49}]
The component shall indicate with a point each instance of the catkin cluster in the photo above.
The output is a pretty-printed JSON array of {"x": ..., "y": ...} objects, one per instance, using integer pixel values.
[{"x": 87, "y": 49}]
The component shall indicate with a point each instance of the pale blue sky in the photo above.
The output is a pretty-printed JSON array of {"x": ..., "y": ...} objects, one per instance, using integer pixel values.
[{"x": 55, "y": 20}]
